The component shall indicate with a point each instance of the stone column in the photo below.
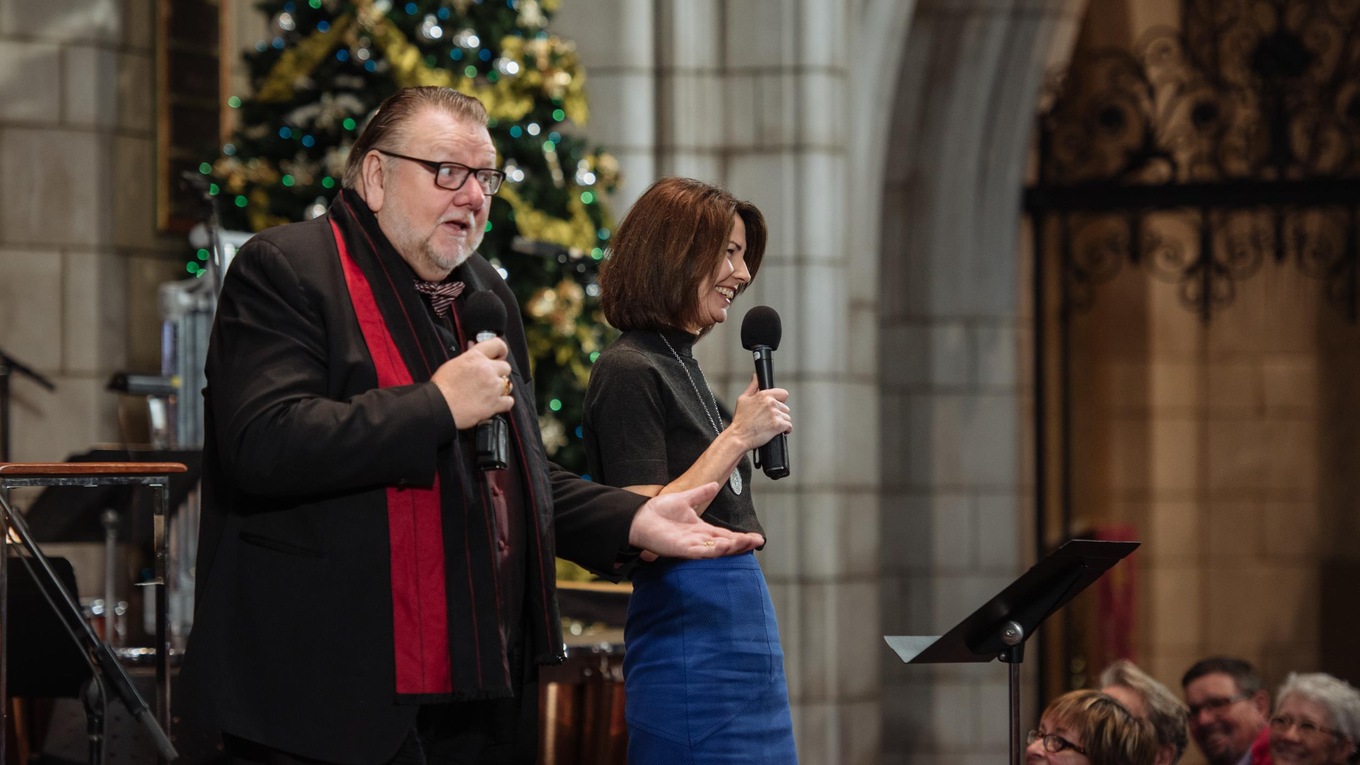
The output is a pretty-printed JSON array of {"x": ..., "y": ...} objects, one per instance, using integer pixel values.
[
  {"x": 617, "y": 45},
  {"x": 787, "y": 145}
]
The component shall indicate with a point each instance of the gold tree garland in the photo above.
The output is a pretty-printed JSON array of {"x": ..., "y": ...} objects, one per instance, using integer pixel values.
[
  {"x": 577, "y": 233},
  {"x": 547, "y": 65}
]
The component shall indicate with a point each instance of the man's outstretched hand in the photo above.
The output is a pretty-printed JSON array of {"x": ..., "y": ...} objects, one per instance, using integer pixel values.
[{"x": 669, "y": 526}]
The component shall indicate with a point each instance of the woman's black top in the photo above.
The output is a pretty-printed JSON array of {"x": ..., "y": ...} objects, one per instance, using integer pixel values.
[{"x": 646, "y": 425}]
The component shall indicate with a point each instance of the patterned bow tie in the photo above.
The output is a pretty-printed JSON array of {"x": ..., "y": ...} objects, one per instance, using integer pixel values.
[{"x": 441, "y": 294}]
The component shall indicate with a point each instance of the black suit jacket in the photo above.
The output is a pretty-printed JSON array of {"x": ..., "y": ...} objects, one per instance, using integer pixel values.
[{"x": 292, "y": 638}]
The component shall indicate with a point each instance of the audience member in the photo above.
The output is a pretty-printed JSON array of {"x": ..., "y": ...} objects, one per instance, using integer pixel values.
[
  {"x": 1229, "y": 711},
  {"x": 1316, "y": 721},
  {"x": 1152, "y": 701},
  {"x": 1090, "y": 727}
]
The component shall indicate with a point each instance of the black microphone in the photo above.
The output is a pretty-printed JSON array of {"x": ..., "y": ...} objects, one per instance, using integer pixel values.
[
  {"x": 760, "y": 334},
  {"x": 484, "y": 317}
]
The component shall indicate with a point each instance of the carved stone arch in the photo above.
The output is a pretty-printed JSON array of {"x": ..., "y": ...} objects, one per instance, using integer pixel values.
[{"x": 953, "y": 334}]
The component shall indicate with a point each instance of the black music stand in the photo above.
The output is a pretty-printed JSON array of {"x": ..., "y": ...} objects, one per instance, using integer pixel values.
[
  {"x": 999, "y": 629},
  {"x": 50, "y": 663}
]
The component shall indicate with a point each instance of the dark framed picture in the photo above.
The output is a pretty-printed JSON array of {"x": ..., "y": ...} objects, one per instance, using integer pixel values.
[{"x": 190, "y": 83}]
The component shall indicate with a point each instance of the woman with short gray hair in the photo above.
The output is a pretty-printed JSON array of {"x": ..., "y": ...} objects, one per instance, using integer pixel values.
[{"x": 1316, "y": 721}]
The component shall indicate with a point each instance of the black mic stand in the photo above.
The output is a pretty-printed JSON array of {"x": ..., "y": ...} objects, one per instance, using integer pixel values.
[
  {"x": 199, "y": 186},
  {"x": 999, "y": 629},
  {"x": 106, "y": 671},
  {"x": 9, "y": 365}
]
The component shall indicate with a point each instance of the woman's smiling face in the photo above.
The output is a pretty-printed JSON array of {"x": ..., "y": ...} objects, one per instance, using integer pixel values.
[
  {"x": 717, "y": 292},
  {"x": 1302, "y": 733}
]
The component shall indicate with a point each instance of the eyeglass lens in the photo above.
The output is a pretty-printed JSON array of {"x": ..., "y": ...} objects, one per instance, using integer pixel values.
[
  {"x": 1214, "y": 705},
  {"x": 453, "y": 176},
  {"x": 1053, "y": 743},
  {"x": 1306, "y": 728}
]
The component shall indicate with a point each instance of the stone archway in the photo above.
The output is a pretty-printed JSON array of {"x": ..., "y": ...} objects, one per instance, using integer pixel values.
[{"x": 953, "y": 338}]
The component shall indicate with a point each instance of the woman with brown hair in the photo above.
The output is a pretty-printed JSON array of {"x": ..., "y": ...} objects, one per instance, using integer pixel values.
[{"x": 704, "y": 671}]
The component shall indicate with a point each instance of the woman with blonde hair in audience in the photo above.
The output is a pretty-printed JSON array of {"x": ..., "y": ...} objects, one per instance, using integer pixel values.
[
  {"x": 1090, "y": 728},
  {"x": 1316, "y": 721}
]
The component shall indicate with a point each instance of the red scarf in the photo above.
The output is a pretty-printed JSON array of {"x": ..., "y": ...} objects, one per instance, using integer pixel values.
[
  {"x": 447, "y": 635},
  {"x": 419, "y": 611}
]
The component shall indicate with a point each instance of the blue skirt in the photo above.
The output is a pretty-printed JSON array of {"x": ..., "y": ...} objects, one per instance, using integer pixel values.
[{"x": 703, "y": 671}]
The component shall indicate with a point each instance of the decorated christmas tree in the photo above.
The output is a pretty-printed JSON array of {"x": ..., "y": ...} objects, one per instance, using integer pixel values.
[{"x": 331, "y": 62}]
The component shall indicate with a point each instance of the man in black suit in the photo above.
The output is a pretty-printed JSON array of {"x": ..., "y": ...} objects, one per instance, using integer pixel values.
[{"x": 365, "y": 593}]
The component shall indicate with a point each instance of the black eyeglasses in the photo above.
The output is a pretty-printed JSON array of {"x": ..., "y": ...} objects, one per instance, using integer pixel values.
[
  {"x": 1281, "y": 724},
  {"x": 1216, "y": 705},
  {"x": 452, "y": 175},
  {"x": 1053, "y": 743}
]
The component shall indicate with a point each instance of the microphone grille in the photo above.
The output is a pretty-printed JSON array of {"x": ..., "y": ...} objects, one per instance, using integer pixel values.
[
  {"x": 484, "y": 312},
  {"x": 761, "y": 327}
]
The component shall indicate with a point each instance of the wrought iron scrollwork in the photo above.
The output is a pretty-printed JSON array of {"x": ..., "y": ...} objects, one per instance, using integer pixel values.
[
  {"x": 1230, "y": 250},
  {"x": 1170, "y": 246},
  {"x": 1245, "y": 122},
  {"x": 1326, "y": 245},
  {"x": 1097, "y": 247}
]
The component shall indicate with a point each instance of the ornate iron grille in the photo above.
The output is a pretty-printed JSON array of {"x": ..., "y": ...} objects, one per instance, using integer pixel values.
[
  {"x": 1197, "y": 156},
  {"x": 1207, "y": 150}
]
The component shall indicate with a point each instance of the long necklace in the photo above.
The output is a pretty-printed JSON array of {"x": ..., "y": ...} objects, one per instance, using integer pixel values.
[{"x": 733, "y": 480}]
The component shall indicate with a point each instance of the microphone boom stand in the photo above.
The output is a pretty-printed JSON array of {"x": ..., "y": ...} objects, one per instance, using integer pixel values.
[{"x": 8, "y": 365}]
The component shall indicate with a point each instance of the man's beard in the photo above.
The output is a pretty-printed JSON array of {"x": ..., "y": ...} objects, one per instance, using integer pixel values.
[
  {"x": 439, "y": 260},
  {"x": 444, "y": 262}
]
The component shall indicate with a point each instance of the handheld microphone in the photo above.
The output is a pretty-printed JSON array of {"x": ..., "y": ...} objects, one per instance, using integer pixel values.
[
  {"x": 484, "y": 316},
  {"x": 760, "y": 334}
]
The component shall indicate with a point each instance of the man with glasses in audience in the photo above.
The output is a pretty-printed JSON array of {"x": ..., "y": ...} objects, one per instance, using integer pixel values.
[
  {"x": 369, "y": 592},
  {"x": 1229, "y": 711}
]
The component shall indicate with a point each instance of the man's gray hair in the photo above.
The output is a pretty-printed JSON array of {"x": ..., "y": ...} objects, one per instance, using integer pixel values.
[
  {"x": 387, "y": 125},
  {"x": 1168, "y": 715}
]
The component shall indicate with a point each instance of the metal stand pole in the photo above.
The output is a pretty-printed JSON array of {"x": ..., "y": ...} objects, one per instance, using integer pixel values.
[
  {"x": 96, "y": 704},
  {"x": 1013, "y": 635},
  {"x": 110, "y": 521}
]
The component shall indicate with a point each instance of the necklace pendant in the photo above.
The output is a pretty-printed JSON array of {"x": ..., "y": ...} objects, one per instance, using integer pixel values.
[{"x": 733, "y": 480}]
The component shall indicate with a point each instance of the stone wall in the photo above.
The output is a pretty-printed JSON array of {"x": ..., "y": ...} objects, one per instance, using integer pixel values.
[{"x": 79, "y": 255}]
